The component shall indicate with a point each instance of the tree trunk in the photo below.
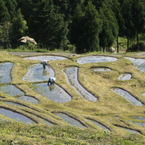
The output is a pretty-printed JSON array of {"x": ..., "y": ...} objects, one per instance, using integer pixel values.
[
  {"x": 117, "y": 45},
  {"x": 137, "y": 39},
  {"x": 127, "y": 43}
]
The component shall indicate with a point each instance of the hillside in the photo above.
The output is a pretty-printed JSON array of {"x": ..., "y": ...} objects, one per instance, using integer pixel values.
[{"x": 97, "y": 99}]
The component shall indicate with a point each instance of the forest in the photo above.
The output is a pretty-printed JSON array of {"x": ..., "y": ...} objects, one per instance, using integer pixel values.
[{"x": 78, "y": 25}]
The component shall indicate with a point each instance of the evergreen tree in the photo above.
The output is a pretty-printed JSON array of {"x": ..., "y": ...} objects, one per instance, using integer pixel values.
[
  {"x": 19, "y": 27},
  {"x": 92, "y": 28},
  {"x": 5, "y": 35},
  {"x": 109, "y": 28},
  {"x": 26, "y": 7},
  {"x": 128, "y": 29},
  {"x": 11, "y": 6},
  {"x": 4, "y": 14},
  {"x": 47, "y": 25},
  {"x": 138, "y": 12},
  {"x": 76, "y": 29},
  {"x": 85, "y": 29},
  {"x": 116, "y": 7}
]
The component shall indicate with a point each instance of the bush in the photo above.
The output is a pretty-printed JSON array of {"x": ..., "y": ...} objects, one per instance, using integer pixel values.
[
  {"x": 136, "y": 47},
  {"x": 71, "y": 48}
]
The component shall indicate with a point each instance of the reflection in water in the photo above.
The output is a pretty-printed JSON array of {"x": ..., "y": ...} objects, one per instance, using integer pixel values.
[
  {"x": 51, "y": 87},
  {"x": 57, "y": 95},
  {"x": 36, "y": 73},
  {"x": 44, "y": 73}
]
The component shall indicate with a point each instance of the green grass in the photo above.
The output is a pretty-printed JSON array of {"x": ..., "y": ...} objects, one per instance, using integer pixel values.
[{"x": 104, "y": 110}]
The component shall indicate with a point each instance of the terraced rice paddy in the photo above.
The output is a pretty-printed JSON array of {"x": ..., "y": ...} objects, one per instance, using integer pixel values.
[{"x": 89, "y": 92}]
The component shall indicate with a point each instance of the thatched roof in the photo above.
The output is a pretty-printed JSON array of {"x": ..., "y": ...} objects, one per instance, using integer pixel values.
[{"x": 27, "y": 38}]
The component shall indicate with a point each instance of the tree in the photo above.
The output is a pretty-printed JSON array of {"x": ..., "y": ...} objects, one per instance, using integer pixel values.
[
  {"x": 11, "y": 6},
  {"x": 138, "y": 13},
  {"x": 128, "y": 29},
  {"x": 47, "y": 25},
  {"x": 19, "y": 27},
  {"x": 92, "y": 27},
  {"x": 5, "y": 35},
  {"x": 85, "y": 29},
  {"x": 109, "y": 28},
  {"x": 76, "y": 29},
  {"x": 116, "y": 7},
  {"x": 4, "y": 14}
]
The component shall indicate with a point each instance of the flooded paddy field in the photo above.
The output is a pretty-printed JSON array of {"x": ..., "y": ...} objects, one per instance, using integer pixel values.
[{"x": 77, "y": 91}]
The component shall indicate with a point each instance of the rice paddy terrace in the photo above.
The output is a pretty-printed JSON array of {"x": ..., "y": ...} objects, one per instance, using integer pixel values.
[{"x": 102, "y": 92}]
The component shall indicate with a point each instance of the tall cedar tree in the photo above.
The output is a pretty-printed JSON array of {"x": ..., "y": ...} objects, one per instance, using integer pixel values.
[
  {"x": 76, "y": 30},
  {"x": 19, "y": 28},
  {"x": 85, "y": 29},
  {"x": 11, "y": 6},
  {"x": 128, "y": 30},
  {"x": 110, "y": 26},
  {"x": 92, "y": 27},
  {"x": 138, "y": 12},
  {"x": 116, "y": 7},
  {"x": 47, "y": 25},
  {"x": 4, "y": 14}
]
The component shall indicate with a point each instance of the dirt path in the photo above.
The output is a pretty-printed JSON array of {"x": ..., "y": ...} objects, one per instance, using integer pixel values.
[{"x": 24, "y": 54}]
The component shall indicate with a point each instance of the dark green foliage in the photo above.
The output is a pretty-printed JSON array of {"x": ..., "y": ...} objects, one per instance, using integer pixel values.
[
  {"x": 110, "y": 26},
  {"x": 4, "y": 14},
  {"x": 11, "y": 6},
  {"x": 55, "y": 24},
  {"x": 138, "y": 12},
  {"x": 136, "y": 47},
  {"x": 47, "y": 25},
  {"x": 85, "y": 29},
  {"x": 19, "y": 28},
  {"x": 5, "y": 29}
]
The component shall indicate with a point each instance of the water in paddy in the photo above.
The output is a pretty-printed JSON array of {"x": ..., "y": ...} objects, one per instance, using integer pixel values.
[
  {"x": 140, "y": 123},
  {"x": 139, "y": 117},
  {"x": 126, "y": 76},
  {"x": 57, "y": 94},
  {"x": 47, "y": 122},
  {"x": 70, "y": 120},
  {"x": 130, "y": 130},
  {"x": 95, "y": 59},
  {"x": 143, "y": 94},
  {"x": 29, "y": 99},
  {"x": 5, "y": 69},
  {"x": 16, "y": 116},
  {"x": 41, "y": 58},
  {"x": 13, "y": 103},
  {"x": 127, "y": 96},
  {"x": 99, "y": 124},
  {"x": 100, "y": 69},
  {"x": 139, "y": 63},
  {"x": 72, "y": 79},
  {"x": 11, "y": 90},
  {"x": 36, "y": 73}
]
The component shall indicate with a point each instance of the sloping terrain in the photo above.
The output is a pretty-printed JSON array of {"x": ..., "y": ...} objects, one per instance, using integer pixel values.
[{"x": 91, "y": 108}]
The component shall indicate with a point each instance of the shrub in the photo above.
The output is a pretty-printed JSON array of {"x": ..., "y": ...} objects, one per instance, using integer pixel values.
[{"x": 136, "y": 47}]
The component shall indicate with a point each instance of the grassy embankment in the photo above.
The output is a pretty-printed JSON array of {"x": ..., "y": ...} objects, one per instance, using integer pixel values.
[{"x": 105, "y": 110}]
